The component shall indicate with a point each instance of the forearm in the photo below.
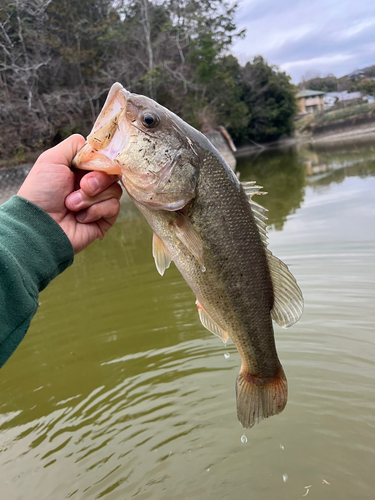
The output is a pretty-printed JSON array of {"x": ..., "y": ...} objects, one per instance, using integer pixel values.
[{"x": 33, "y": 251}]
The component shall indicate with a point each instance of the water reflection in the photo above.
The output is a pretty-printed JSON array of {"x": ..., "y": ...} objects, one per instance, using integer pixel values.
[
  {"x": 327, "y": 164},
  {"x": 284, "y": 173},
  {"x": 281, "y": 175}
]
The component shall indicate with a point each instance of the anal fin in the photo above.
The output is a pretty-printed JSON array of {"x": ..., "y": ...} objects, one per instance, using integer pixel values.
[
  {"x": 160, "y": 254},
  {"x": 210, "y": 324}
]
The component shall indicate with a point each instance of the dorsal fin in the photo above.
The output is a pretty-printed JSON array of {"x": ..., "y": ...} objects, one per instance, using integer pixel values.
[{"x": 288, "y": 299}]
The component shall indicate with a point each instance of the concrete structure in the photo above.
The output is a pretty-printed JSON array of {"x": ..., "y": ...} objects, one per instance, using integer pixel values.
[
  {"x": 330, "y": 100},
  {"x": 222, "y": 141},
  {"x": 310, "y": 101}
]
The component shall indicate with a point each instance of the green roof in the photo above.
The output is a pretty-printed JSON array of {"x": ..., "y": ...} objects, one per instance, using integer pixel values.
[{"x": 309, "y": 93}]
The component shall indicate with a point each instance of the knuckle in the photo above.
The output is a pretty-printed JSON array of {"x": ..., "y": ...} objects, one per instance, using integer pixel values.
[{"x": 118, "y": 190}]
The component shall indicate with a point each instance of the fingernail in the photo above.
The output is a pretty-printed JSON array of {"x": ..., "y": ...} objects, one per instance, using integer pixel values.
[
  {"x": 81, "y": 216},
  {"x": 93, "y": 183},
  {"x": 75, "y": 198}
]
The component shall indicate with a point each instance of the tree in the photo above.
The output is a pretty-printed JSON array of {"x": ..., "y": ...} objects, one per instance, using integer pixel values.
[
  {"x": 49, "y": 51},
  {"x": 58, "y": 58},
  {"x": 270, "y": 98},
  {"x": 325, "y": 84}
]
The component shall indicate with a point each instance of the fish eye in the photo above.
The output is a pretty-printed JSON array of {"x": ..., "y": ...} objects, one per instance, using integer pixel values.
[{"x": 150, "y": 120}]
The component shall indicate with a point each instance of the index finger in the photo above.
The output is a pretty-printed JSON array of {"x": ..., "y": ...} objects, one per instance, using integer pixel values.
[{"x": 96, "y": 182}]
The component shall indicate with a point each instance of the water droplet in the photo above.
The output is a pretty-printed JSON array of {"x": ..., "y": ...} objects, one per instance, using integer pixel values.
[
  {"x": 227, "y": 355},
  {"x": 243, "y": 439},
  {"x": 203, "y": 269},
  {"x": 281, "y": 446},
  {"x": 285, "y": 478}
]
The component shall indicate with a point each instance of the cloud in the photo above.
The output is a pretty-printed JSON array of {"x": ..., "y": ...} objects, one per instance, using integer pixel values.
[
  {"x": 316, "y": 62},
  {"x": 327, "y": 36}
]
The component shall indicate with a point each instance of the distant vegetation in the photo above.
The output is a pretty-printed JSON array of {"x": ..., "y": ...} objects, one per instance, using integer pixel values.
[
  {"x": 58, "y": 59},
  {"x": 363, "y": 82}
]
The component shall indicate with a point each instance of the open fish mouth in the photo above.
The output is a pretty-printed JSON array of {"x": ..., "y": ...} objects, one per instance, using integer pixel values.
[
  {"x": 128, "y": 139},
  {"x": 109, "y": 136}
]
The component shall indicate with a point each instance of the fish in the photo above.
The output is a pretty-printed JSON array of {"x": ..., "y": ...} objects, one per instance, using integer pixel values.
[{"x": 205, "y": 221}]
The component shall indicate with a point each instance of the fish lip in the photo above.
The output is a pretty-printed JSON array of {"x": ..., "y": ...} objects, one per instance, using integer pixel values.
[
  {"x": 109, "y": 135},
  {"x": 88, "y": 159}
]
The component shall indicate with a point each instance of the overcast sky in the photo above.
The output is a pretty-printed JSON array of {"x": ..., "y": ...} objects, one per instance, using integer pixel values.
[{"x": 300, "y": 36}]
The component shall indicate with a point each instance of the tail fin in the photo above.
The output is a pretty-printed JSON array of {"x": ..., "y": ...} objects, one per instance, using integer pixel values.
[{"x": 259, "y": 398}]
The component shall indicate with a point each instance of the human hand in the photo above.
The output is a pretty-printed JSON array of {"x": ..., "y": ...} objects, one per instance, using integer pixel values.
[{"x": 85, "y": 206}]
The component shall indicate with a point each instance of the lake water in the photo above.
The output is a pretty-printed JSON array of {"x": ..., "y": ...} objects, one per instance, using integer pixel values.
[{"x": 118, "y": 392}]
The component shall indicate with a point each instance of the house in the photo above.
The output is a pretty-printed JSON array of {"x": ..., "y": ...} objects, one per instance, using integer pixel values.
[
  {"x": 359, "y": 73},
  {"x": 310, "y": 101},
  {"x": 345, "y": 97}
]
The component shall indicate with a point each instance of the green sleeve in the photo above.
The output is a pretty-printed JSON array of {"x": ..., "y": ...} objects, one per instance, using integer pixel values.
[{"x": 33, "y": 251}]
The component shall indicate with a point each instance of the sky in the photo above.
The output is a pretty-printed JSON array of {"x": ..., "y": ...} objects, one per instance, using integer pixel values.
[{"x": 308, "y": 37}]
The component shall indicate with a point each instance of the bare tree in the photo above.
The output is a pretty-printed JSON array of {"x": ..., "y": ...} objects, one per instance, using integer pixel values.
[{"x": 145, "y": 22}]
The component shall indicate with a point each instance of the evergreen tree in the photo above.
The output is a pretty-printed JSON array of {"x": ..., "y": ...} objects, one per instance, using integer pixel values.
[{"x": 270, "y": 99}]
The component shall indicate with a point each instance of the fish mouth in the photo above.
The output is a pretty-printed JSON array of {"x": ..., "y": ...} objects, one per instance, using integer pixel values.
[{"x": 109, "y": 136}]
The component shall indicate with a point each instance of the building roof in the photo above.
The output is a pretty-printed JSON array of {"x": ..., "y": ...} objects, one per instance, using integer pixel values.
[
  {"x": 309, "y": 93},
  {"x": 356, "y": 74},
  {"x": 345, "y": 95}
]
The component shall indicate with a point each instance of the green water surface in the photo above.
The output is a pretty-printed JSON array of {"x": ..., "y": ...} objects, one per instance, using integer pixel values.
[{"x": 118, "y": 392}]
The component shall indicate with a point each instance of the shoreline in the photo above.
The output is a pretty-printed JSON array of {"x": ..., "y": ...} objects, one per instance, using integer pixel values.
[{"x": 344, "y": 136}]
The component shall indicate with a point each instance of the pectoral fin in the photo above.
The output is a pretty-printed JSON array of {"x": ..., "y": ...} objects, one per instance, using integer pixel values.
[
  {"x": 210, "y": 324},
  {"x": 160, "y": 254}
]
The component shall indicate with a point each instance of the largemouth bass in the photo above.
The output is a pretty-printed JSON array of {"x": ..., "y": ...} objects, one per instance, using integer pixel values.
[{"x": 205, "y": 221}]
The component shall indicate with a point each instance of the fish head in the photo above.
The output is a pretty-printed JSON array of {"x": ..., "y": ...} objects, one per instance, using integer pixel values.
[{"x": 147, "y": 146}]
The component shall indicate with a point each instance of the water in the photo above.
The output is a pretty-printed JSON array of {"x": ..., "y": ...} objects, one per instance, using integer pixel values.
[{"x": 118, "y": 391}]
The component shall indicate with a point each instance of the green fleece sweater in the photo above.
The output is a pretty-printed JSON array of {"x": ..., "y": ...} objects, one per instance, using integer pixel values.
[{"x": 33, "y": 251}]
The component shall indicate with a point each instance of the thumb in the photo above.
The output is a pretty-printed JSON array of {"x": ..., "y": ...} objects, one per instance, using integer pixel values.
[{"x": 63, "y": 153}]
